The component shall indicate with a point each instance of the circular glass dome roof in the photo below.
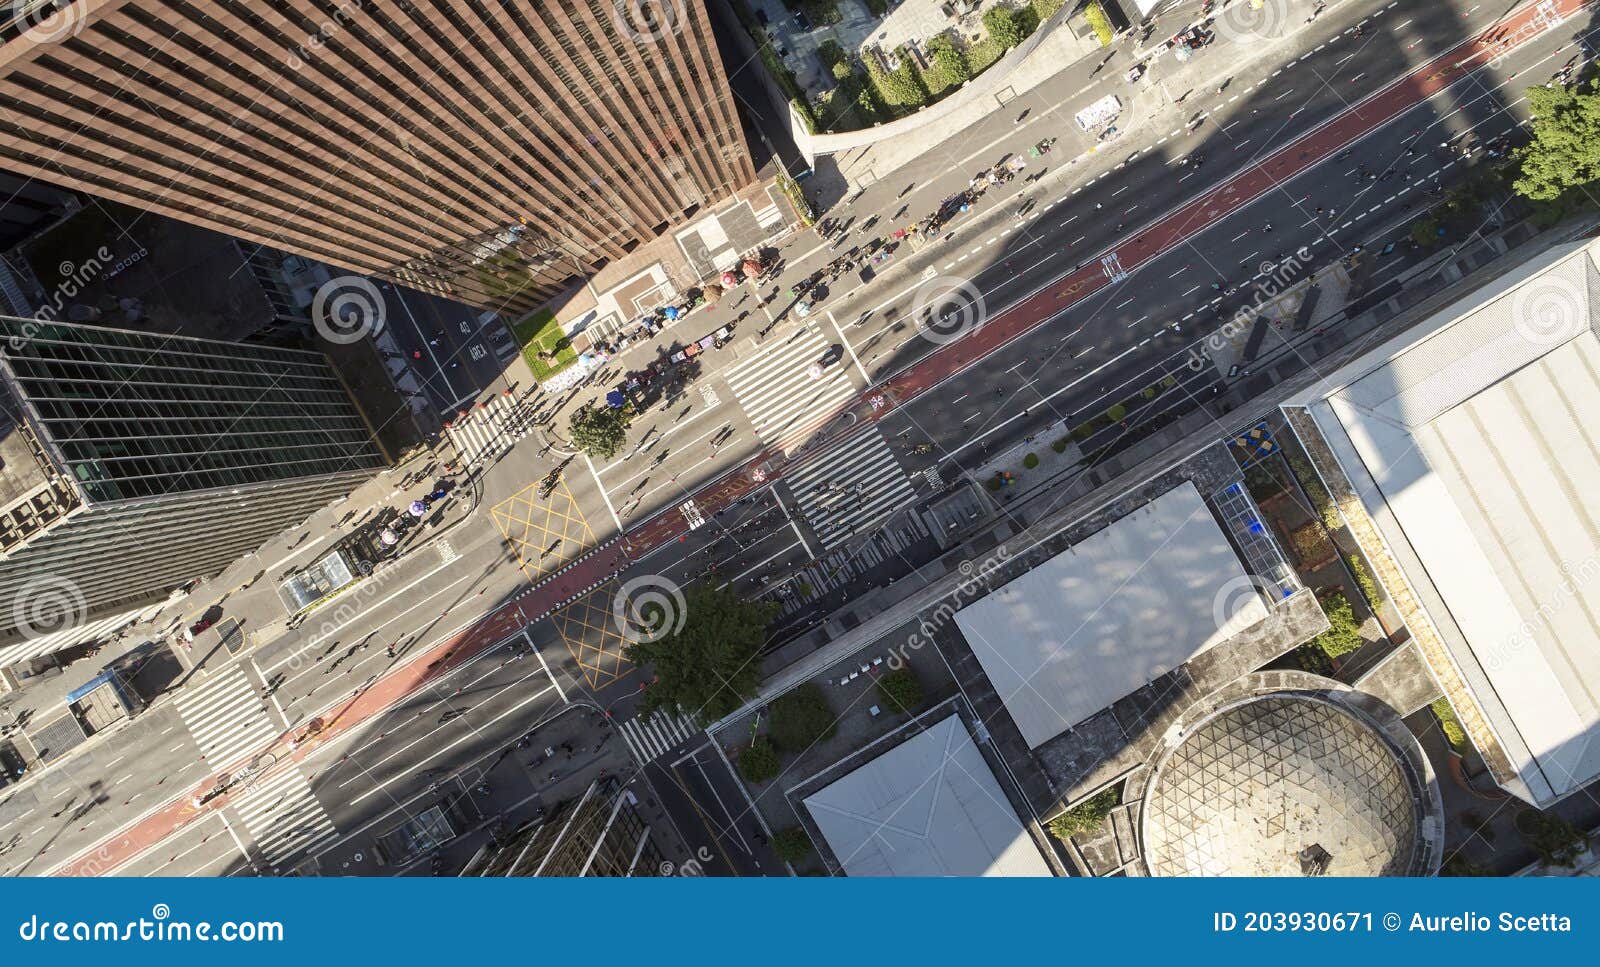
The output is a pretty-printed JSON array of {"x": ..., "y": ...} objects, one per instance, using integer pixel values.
[{"x": 1282, "y": 785}]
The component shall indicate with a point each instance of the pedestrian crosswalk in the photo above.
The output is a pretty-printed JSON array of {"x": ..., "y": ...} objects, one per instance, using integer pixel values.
[
  {"x": 490, "y": 430},
  {"x": 283, "y": 817},
  {"x": 650, "y": 736},
  {"x": 850, "y": 489},
  {"x": 790, "y": 389},
  {"x": 226, "y": 718},
  {"x": 841, "y": 569}
]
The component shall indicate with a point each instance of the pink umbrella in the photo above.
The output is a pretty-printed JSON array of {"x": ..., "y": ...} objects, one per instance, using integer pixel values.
[{"x": 729, "y": 279}]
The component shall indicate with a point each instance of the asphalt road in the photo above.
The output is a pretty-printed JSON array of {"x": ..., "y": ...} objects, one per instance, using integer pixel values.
[
  {"x": 710, "y": 430},
  {"x": 1120, "y": 335}
]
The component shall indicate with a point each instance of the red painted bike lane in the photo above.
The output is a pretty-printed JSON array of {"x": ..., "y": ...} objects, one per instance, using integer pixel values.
[{"x": 873, "y": 404}]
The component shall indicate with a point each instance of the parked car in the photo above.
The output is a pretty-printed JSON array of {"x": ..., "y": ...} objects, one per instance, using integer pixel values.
[{"x": 801, "y": 20}]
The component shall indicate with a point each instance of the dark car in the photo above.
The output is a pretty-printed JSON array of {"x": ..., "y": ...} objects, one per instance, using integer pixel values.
[
  {"x": 801, "y": 21},
  {"x": 761, "y": 17}
]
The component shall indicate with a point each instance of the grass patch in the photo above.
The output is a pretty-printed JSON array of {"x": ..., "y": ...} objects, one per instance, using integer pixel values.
[
  {"x": 1343, "y": 635},
  {"x": 546, "y": 348},
  {"x": 1321, "y": 500},
  {"x": 1310, "y": 545},
  {"x": 982, "y": 55},
  {"x": 1096, "y": 17},
  {"x": 1451, "y": 727},
  {"x": 1369, "y": 587},
  {"x": 1086, "y": 816}
]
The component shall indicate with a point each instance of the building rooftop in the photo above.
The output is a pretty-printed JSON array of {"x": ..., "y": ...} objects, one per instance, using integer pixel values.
[
  {"x": 1474, "y": 443},
  {"x": 1283, "y": 785},
  {"x": 1111, "y": 614},
  {"x": 927, "y": 807}
]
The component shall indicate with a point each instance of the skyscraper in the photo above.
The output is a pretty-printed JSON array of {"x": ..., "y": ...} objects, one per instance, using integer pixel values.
[
  {"x": 494, "y": 150},
  {"x": 131, "y": 463}
]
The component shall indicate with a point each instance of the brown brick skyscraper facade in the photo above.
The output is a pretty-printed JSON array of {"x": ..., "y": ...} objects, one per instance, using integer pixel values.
[{"x": 492, "y": 149}]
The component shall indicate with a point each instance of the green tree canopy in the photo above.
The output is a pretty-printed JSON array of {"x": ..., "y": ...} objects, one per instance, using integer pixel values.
[
  {"x": 901, "y": 87},
  {"x": 759, "y": 762},
  {"x": 900, "y": 690},
  {"x": 792, "y": 845},
  {"x": 1344, "y": 632},
  {"x": 600, "y": 430},
  {"x": 709, "y": 666},
  {"x": 801, "y": 718},
  {"x": 1001, "y": 23},
  {"x": 1565, "y": 151},
  {"x": 949, "y": 64}
]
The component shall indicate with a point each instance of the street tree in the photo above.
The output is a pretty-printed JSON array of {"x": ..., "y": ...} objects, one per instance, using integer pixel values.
[
  {"x": 1001, "y": 23},
  {"x": 600, "y": 431},
  {"x": 949, "y": 64},
  {"x": 1564, "y": 154},
  {"x": 709, "y": 664}
]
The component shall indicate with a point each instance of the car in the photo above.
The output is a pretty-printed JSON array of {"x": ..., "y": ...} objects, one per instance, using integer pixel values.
[
  {"x": 761, "y": 17},
  {"x": 801, "y": 21}
]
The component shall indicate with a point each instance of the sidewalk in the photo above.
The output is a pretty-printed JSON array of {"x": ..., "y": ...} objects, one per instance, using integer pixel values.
[
  {"x": 247, "y": 591},
  {"x": 1163, "y": 99}
]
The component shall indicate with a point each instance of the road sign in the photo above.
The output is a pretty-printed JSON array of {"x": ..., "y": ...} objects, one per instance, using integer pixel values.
[{"x": 1112, "y": 266}]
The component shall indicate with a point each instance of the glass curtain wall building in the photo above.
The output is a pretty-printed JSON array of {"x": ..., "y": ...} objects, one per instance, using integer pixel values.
[{"x": 138, "y": 462}]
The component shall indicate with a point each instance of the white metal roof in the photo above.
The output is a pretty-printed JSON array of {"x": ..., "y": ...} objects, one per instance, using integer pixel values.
[
  {"x": 1111, "y": 614},
  {"x": 927, "y": 807},
  {"x": 1475, "y": 440}
]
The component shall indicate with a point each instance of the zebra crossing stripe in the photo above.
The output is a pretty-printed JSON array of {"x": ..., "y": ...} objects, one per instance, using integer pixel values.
[
  {"x": 651, "y": 736},
  {"x": 780, "y": 394},
  {"x": 488, "y": 432},
  {"x": 851, "y": 488},
  {"x": 226, "y": 719},
  {"x": 284, "y": 817}
]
